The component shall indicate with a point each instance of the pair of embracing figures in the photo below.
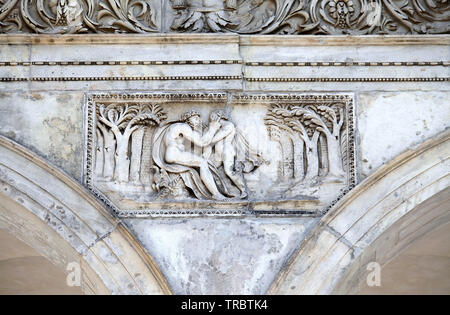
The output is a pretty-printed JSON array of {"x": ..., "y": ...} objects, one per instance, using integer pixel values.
[{"x": 183, "y": 148}]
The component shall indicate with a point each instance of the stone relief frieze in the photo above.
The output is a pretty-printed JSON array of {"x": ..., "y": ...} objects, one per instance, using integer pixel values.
[
  {"x": 219, "y": 153},
  {"x": 334, "y": 17},
  {"x": 78, "y": 16}
]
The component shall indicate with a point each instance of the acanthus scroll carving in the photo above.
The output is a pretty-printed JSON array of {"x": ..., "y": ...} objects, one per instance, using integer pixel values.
[
  {"x": 334, "y": 17},
  {"x": 77, "y": 16}
]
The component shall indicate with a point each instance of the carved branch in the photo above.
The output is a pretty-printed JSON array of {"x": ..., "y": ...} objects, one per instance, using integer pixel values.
[{"x": 105, "y": 121}]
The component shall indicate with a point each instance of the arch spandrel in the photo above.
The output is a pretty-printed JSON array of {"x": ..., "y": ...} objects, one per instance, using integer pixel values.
[{"x": 60, "y": 219}]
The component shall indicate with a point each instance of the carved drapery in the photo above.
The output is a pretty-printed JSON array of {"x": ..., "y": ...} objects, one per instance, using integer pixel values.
[{"x": 334, "y": 17}]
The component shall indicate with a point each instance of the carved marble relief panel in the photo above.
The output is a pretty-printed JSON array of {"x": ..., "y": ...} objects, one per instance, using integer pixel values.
[
  {"x": 219, "y": 153},
  {"x": 356, "y": 17}
]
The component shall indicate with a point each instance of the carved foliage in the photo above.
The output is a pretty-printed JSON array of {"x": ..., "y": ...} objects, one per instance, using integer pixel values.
[
  {"x": 237, "y": 16},
  {"x": 120, "y": 140},
  {"x": 77, "y": 16},
  {"x": 316, "y": 133}
]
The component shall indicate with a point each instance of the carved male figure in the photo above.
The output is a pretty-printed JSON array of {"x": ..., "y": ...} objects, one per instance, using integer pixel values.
[{"x": 176, "y": 158}]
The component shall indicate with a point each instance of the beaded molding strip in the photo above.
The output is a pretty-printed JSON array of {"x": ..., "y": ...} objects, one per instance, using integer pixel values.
[
  {"x": 119, "y": 63},
  {"x": 228, "y": 62},
  {"x": 218, "y": 78}
]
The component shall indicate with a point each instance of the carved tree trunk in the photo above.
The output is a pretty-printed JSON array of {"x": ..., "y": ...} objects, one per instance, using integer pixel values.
[
  {"x": 323, "y": 155},
  {"x": 136, "y": 153},
  {"x": 147, "y": 161},
  {"x": 312, "y": 157},
  {"x": 287, "y": 148},
  {"x": 299, "y": 167},
  {"x": 335, "y": 167},
  {"x": 122, "y": 171},
  {"x": 99, "y": 154},
  {"x": 109, "y": 150},
  {"x": 335, "y": 157}
]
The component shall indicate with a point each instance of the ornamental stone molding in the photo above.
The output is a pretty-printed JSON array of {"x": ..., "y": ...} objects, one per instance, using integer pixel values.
[{"x": 281, "y": 17}]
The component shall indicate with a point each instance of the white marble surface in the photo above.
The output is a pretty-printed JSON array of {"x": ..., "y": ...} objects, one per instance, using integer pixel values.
[
  {"x": 390, "y": 123},
  {"x": 221, "y": 256}
]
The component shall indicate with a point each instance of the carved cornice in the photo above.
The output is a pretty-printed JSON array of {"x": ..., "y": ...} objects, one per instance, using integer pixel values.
[
  {"x": 122, "y": 78},
  {"x": 326, "y": 17},
  {"x": 223, "y": 39},
  {"x": 347, "y": 79}
]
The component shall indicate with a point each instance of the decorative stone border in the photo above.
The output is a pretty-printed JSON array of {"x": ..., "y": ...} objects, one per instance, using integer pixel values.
[
  {"x": 347, "y": 64},
  {"x": 152, "y": 78},
  {"x": 347, "y": 79},
  {"x": 118, "y": 63},
  {"x": 228, "y": 62}
]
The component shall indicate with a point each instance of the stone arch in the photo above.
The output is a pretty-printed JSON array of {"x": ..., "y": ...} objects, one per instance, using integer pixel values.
[
  {"x": 55, "y": 215},
  {"x": 403, "y": 200}
]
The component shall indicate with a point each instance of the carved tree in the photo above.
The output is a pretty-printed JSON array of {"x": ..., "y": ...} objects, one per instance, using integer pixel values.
[
  {"x": 307, "y": 124},
  {"x": 136, "y": 154},
  {"x": 123, "y": 121},
  {"x": 146, "y": 175},
  {"x": 310, "y": 137},
  {"x": 301, "y": 125},
  {"x": 329, "y": 122},
  {"x": 274, "y": 121},
  {"x": 275, "y": 135}
]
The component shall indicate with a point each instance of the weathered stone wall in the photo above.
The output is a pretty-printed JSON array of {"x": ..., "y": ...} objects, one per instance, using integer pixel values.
[{"x": 401, "y": 98}]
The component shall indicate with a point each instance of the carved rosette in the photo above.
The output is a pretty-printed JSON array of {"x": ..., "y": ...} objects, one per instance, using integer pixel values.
[{"x": 217, "y": 16}]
